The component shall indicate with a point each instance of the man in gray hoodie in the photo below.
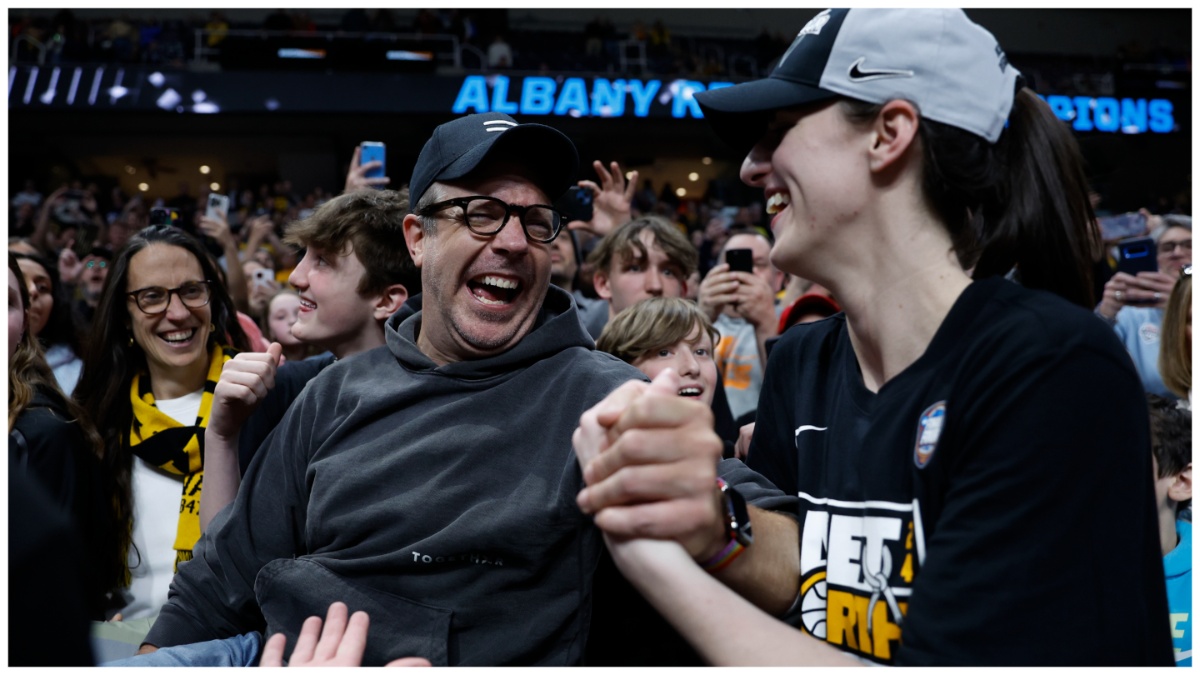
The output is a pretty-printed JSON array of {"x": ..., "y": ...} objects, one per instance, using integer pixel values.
[{"x": 431, "y": 482}]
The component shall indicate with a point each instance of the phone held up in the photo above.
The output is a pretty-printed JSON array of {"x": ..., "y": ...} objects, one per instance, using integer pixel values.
[
  {"x": 1137, "y": 255},
  {"x": 264, "y": 278},
  {"x": 575, "y": 204},
  {"x": 740, "y": 259},
  {"x": 218, "y": 207},
  {"x": 374, "y": 151}
]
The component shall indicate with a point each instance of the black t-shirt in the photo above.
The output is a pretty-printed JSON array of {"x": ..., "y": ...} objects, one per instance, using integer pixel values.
[{"x": 991, "y": 504}]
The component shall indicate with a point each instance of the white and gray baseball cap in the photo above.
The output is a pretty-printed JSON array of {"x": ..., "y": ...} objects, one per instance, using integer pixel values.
[{"x": 938, "y": 59}]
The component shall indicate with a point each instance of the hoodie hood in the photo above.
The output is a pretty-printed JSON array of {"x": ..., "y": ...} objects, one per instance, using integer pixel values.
[{"x": 556, "y": 329}]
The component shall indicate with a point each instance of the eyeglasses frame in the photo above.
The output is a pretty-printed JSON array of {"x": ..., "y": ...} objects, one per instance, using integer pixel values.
[
  {"x": 207, "y": 283},
  {"x": 509, "y": 210}
]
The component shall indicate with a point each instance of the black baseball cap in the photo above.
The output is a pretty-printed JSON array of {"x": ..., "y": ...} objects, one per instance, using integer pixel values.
[
  {"x": 460, "y": 146},
  {"x": 950, "y": 67}
]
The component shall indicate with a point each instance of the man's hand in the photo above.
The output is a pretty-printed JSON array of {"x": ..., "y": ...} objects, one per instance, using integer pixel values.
[
  {"x": 69, "y": 265},
  {"x": 717, "y": 291},
  {"x": 244, "y": 383},
  {"x": 611, "y": 199},
  {"x": 649, "y": 458},
  {"x": 356, "y": 178},
  {"x": 218, "y": 229},
  {"x": 1147, "y": 289},
  {"x": 341, "y": 643},
  {"x": 755, "y": 302}
]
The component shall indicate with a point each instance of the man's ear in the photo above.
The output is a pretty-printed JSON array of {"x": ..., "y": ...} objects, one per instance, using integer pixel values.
[
  {"x": 1181, "y": 486},
  {"x": 893, "y": 132},
  {"x": 389, "y": 301},
  {"x": 600, "y": 283},
  {"x": 414, "y": 237}
]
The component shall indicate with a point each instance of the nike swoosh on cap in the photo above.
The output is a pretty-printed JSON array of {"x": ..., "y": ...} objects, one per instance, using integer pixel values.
[{"x": 857, "y": 74}]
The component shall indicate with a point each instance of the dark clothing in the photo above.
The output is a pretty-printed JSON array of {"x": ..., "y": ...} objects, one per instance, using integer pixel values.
[
  {"x": 441, "y": 500},
  {"x": 46, "y": 441},
  {"x": 47, "y": 619},
  {"x": 290, "y": 380},
  {"x": 992, "y": 504},
  {"x": 626, "y": 629}
]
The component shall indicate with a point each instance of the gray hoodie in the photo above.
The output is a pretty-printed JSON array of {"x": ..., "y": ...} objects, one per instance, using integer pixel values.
[{"x": 441, "y": 500}]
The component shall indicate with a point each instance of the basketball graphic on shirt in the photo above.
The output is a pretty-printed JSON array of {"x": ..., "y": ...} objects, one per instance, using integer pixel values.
[{"x": 813, "y": 605}]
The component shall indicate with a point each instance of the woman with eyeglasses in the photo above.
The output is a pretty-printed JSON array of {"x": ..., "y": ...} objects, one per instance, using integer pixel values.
[
  {"x": 1134, "y": 305},
  {"x": 163, "y": 329}
]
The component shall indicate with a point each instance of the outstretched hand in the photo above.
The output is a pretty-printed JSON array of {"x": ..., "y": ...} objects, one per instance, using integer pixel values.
[
  {"x": 611, "y": 199},
  {"x": 341, "y": 643}
]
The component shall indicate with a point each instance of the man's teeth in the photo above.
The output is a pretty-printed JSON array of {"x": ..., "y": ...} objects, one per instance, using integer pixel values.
[
  {"x": 777, "y": 202},
  {"x": 179, "y": 336},
  {"x": 307, "y": 304},
  {"x": 499, "y": 282},
  {"x": 690, "y": 391}
]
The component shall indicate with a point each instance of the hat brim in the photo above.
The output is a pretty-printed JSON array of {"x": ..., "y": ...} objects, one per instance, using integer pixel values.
[
  {"x": 548, "y": 155},
  {"x": 739, "y": 114}
]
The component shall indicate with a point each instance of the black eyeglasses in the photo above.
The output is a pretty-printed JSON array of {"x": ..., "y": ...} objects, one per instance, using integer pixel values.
[
  {"x": 154, "y": 300},
  {"x": 1169, "y": 246},
  {"x": 488, "y": 215}
]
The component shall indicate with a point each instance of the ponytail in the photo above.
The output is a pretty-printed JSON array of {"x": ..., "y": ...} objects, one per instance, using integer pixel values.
[
  {"x": 1040, "y": 219},
  {"x": 1019, "y": 203}
]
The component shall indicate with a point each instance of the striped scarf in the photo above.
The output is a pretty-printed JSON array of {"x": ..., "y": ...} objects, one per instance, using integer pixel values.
[{"x": 165, "y": 443}]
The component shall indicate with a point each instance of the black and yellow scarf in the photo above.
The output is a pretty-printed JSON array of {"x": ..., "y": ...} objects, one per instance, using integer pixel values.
[{"x": 165, "y": 443}]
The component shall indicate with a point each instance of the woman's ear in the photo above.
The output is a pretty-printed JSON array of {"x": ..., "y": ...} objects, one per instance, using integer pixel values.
[{"x": 894, "y": 132}]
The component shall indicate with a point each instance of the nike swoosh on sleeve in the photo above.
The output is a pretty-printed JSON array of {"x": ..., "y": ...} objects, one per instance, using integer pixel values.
[{"x": 809, "y": 427}]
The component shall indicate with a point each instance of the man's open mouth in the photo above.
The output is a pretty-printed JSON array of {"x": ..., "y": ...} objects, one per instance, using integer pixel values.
[{"x": 491, "y": 289}]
